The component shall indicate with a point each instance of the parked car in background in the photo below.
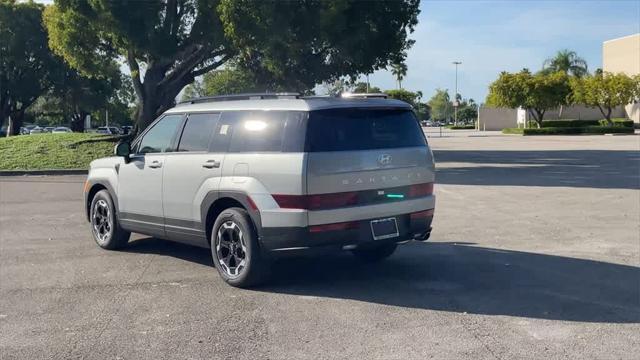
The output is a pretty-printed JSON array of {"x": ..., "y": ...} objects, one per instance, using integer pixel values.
[
  {"x": 36, "y": 130},
  {"x": 26, "y": 130},
  {"x": 108, "y": 130},
  {"x": 49, "y": 129},
  {"x": 61, "y": 130}
]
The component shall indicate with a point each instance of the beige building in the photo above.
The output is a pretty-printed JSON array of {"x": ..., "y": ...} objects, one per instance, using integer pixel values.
[{"x": 622, "y": 55}]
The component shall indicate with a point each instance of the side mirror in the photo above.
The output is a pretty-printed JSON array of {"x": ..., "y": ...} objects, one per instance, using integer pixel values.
[{"x": 123, "y": 149}]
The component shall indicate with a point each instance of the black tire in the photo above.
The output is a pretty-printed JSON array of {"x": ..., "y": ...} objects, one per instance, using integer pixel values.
[
  {"x": 105, "y": 227},
  {"x": 235, "y": 251},
  {"x": 375, "y": 254}
]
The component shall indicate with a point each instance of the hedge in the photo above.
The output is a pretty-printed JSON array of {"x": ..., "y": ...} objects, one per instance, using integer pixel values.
[
  {"x": 569, "y": 123},
  {"x": 462, "y": 127},
  {"x": 617, "y": 122},
  {"x": 570, "y": 130}
]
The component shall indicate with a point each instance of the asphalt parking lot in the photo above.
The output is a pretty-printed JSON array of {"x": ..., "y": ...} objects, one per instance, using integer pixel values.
[{"x": 535, "y": 254}]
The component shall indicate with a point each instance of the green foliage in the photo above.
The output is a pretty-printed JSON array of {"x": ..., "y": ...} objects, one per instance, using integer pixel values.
[
  {"x": 25, "y": 59},
  {"x": 535, "y": 93},
  {"x": 399, "y": 70},
  {"x": 440, "y": 104},
  {"x": 567, "y": 62},
  {"x": 618, "y": 122},
  {"x": 404, "y": 95},
  {"x": 51, "y": 151},
  {"x": 585, "y": 130},
  {"x": 605, "y": 91},
  {"x": 361, "y": 88},
  {"x": 284, "y": 44},
  {"x": 569, "y": 123}
]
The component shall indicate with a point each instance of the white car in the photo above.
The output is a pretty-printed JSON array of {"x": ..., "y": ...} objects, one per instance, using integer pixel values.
[
  {"x": 61, "y": 130},
  {"x": 257, "y": 175},
  {"x": 37, "y": 130},
  {"x": 108, "y": 130}
]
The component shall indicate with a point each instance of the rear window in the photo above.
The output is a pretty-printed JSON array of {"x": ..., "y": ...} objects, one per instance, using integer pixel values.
[{"x": 362, "y": 129}]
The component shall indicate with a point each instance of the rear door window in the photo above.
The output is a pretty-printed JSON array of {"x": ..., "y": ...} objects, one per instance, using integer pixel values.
[
  {"x": 362, "y": 129},
  {"x": 265, "y": 131},
  {"x": 197, "y": 132}
]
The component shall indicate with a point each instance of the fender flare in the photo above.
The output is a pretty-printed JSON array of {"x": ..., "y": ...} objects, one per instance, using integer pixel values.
[{"x": 239, "y": 196}]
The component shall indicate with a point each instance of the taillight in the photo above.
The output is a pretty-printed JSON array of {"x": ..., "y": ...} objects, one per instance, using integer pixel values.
[
  {"x": 333, "y": 227},
  {"x": 421, "y": 214},
  {"x": 318, "y": 201},
  {"x": 419, "y": 190}
]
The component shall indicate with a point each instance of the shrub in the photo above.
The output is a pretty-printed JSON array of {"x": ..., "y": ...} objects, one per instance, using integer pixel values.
[
  {"x": 569, "y": 123},
  {"x": 570, "y": 130},
  {"x": 617, "y": 122},
  {"x": 462, "y": 127}
]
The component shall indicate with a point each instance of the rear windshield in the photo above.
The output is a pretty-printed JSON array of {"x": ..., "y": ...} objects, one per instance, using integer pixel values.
[{"x": 362, "y": 129}]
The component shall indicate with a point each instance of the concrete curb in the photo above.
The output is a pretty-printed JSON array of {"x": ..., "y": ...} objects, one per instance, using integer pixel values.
[{"x": 44, "y": 172}]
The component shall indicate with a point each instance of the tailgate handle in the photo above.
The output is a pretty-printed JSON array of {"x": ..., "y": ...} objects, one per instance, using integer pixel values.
[{"x": 210, "y": 164}]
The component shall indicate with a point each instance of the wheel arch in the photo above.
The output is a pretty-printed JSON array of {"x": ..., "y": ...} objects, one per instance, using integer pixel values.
[
  {"x": 95, "y": 186},
  {"x": 217, "y": 201}
]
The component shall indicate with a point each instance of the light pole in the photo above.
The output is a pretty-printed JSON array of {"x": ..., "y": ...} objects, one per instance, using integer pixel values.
[{"x": 455, "y": 95}]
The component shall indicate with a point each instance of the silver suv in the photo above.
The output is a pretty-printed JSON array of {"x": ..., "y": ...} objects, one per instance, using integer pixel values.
[{"x": 256, "y": 176}]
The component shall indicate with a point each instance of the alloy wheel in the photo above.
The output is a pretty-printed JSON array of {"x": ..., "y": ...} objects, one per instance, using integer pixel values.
[
  {"x": 231, "y": 249},
  {"x": 101, "y": 221}
]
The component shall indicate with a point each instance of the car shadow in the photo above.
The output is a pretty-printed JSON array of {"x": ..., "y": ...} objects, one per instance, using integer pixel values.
[
  {"x": 455, "y": 277},
  {"x": 605, "y": 169}
]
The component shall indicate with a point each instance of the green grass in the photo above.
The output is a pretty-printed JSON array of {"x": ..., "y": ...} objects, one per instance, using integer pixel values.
[{"x": 53, "y": 151}]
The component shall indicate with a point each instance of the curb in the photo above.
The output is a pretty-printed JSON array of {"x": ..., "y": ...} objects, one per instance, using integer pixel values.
[{"x": 44, "y": 172}]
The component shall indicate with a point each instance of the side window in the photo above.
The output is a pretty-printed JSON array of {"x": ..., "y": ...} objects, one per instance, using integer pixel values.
[
  {"x": 197, "y": 132},
  {"x": 261, "y": 131},
  {"x": 158, "y": 139}
]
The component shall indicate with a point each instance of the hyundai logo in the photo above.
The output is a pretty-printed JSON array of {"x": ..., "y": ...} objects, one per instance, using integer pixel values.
[{"x": 384, "y": 159}]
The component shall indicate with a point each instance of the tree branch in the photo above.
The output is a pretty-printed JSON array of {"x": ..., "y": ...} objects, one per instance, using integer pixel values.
[
  {"x": 134, "y": 67},
  {"x": 210, "y": 67}
]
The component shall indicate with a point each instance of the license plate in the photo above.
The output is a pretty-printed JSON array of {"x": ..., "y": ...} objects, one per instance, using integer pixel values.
[{"x": 384, "y": 228}]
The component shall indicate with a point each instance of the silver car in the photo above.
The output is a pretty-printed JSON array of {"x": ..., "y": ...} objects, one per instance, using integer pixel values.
[{"x": 257, "y": 176}]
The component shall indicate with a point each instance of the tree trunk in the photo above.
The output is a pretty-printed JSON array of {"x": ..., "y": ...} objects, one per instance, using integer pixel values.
[
  {"x": 560, "y": 112},
  {"x": 16, "y": 120},
  {"x": 77, "y": 121},
  {"x": 157, "y": 98},
  {"x": 607, "y": 114}
]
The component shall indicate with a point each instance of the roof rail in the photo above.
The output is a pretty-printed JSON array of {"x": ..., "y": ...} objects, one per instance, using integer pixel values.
[
  {"x": 364, "y": 95},
  {"x": 246, "y": 96}
]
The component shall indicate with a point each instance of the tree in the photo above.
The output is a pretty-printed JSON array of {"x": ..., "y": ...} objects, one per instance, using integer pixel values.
[
  {"x": 25, "y": 60},
  {"x": 404, "y": 95},
  {"x": 361, "y": 88},
  {"x": 568, "y": 62},
  {"x": 399, "y": 70},
  {"x": 535, "y": 93},
  {"x": 440, "y": 104},
  {"x": 605, "y": 91},
  {"x": 467, "y": 111},
  {"x": 167, "y": 44}
]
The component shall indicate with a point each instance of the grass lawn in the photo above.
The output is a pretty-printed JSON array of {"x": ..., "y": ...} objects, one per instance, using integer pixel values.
[{"x": 52, "y": 151}]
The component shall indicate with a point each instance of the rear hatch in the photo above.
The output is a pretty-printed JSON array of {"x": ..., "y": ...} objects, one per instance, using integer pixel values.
[{"x": 368, "y": 154}]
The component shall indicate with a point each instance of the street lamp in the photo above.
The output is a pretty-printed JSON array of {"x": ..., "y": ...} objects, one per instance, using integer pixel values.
[{"x": 455, "y": 95}]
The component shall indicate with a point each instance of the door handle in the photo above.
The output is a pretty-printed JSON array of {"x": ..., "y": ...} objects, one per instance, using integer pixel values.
[
  {"x": 155, "y": 164},
  {"x": 210, "y": 164}
]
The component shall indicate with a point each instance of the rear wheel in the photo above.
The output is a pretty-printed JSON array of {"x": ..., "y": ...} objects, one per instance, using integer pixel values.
[
  {"x": 235, "y": 251},
  {"x": 374, "y": 254},
  {"x": 104, "y": 223}
]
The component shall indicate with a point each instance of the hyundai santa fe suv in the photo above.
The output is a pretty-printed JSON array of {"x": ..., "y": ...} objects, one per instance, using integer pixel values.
[{"x": 256, "y": 176}]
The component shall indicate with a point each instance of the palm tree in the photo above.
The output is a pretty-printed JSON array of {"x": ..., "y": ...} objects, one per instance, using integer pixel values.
[
  {"x": 399, "y": 70},
  {"x": 568, "y": 62}
]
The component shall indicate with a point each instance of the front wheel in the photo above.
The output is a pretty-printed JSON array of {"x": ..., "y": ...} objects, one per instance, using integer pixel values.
[
  {"x": 104, "y": 223},
  {"x": 234, "y": 247},
  {"x": 375, "y": 254}
]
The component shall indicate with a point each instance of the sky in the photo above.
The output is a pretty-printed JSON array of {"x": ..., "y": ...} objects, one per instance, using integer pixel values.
[{"x": 493, "y": 36}]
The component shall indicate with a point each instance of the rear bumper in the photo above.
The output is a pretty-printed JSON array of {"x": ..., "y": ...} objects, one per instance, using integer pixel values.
[{"x": 299, "y": 239}]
